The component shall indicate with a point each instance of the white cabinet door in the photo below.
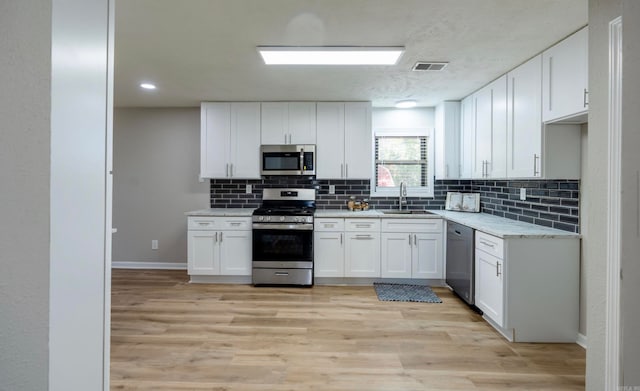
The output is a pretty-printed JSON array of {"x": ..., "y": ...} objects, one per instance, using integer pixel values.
[
  {"x": 482, "y": 145},
  {"x": 330, "y": 140},
  {"x": 565, "y": 78},
  {"x": 490, "y": 286},
  {"x": 427, "y": 256},
  {"x": 328, "y": 254},
  {"x": 235, "y": 253},
  {"x": 302, "y": 123},
  {"x": 362, "y": 254},
  {"x": 215, "y": 123},
  {"x": 274, "y": 123},
  {"x": 396, "y": 255},
  {"x": 447, "y": 140},
  {"x": 498, "y": 165},
  {"x": 244, "y": 146},
  {"x": 358, "y": 140},
  {"x": 467, "y": 137},
  {"x": 202, "y": 252},
  {"x": 524, "y": 125},
  {"x": 490, "y": 155}
]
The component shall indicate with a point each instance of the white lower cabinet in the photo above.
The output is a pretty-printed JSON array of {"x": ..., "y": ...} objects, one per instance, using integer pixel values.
[
  {"x": 490, "y": 286},
  {"x": 219, "y": 246},
  {"x": 328, "y": 245},
  {"x": 412, "y": 248},
  {"x": 362, "y": 248},
  {"x": 528, "y": 287}
]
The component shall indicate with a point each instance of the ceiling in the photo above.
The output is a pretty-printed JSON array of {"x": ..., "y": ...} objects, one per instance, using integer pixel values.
[{"x": 205, "y": 50}]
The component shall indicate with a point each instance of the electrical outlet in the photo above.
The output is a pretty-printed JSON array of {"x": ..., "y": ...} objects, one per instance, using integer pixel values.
[
  {"x": 154, "y": 244},
  {"x": 523, "y": 194},
  {"x": 248, "y": 189},
  {"x": 332, "y": 189}
]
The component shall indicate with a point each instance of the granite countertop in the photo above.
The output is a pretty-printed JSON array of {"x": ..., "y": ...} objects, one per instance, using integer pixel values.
[
  {"x": 371, "y": 213},
  {"x": 503, "y": 227},
  {"x": 225, "y": 212}
]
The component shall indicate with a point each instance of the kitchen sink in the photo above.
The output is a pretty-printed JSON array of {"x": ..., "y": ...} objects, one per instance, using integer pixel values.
[{"x": 406, "y": 212}]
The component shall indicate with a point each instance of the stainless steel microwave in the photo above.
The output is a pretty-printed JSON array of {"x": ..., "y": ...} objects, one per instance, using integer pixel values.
[{"x": 288, "y": 159}]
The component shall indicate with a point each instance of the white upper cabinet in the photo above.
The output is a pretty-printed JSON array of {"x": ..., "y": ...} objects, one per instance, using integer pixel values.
[
  {"x": 447, "y": 140},
  {"x": 467, "y": 136},
  {"x": 490, "y": 153},
  {"x": 524, "y": 126},
  {"x": 288, "y": 122},
  {"x": 230, "y": 140},
  {"x": 565, "y": 79},
  {"x": 344, "y": 140},
  {"x": 358, "y": 142}
]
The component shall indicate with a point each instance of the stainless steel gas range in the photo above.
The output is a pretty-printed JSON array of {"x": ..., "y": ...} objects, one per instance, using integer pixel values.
[{"x": 283, "y": 238}]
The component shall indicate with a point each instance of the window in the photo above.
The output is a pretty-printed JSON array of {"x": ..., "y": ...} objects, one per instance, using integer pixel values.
[{"x": 402, "y": 156}]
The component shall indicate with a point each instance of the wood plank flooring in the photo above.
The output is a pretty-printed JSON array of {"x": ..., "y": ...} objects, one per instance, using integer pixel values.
[{"x": 167, "y": 334}]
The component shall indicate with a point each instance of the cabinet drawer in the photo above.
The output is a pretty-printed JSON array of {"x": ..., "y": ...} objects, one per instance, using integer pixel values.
[
  {"x": 235, "y": 223},
  {"x": 490, "y": 244},
  {"x": 364, "y": 225},
  {"x": 412, "y": 225},
  {"x": 329, "y": 224},
  {"x": 203, "y": 223}
]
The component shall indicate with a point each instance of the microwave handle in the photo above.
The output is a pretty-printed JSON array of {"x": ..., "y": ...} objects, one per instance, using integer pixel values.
[{"x": 301, "y": 161}]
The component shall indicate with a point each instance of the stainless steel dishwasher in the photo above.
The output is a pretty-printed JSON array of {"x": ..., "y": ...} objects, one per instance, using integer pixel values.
[{"x": 460, "y": 274}]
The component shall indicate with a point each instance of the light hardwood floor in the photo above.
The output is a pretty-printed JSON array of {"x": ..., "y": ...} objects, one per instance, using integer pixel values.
[{"x": 167, "y": 334}]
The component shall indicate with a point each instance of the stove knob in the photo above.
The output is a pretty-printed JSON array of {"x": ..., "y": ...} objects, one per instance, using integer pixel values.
[
  {"x": 281, "y": 218},
  {"x": 261, "y": 218},
  {"x": 268, "y": 218}
]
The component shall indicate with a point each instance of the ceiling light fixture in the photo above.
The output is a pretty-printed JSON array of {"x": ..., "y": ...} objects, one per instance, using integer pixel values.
[
  {"x": 148, "y": 86},
  {"x": 330, "y": 55},
  {"x": 406, "y": 104}
]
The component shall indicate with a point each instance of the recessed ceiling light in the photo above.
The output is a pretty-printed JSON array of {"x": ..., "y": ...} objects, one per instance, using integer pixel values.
[
  {"x": 148, "y": 86},
  {"x": 406, "y": 104},
  {"x": 330, "y": 55}
]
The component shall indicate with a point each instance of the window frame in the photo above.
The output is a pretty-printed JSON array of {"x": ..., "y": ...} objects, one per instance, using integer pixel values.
[{"x": 421, "y": 191}]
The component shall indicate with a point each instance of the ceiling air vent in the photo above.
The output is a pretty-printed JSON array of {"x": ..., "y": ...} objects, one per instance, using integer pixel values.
[{"x": 429, "y": 66}]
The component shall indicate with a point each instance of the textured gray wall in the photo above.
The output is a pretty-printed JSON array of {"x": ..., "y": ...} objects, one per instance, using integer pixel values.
[
  {"x": 25, "y": 77},
  {"x": 156, "y": 158},
  {"x": 601, "y": 12}
]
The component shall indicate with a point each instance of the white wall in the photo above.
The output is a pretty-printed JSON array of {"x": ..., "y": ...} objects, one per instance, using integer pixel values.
[
  {"x": 630, "y": 251},
  {"x": 391, "y": 118},
  {"x": 80, "y": 197},
  {"x": 25, "y": 77},
  {"x": 53, "y": 139},
  {"x": 601, "y": 12},
  {"x": 156, "y": 166}
]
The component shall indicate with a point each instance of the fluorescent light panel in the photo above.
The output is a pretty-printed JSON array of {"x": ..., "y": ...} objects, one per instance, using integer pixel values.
[
  {"x": 406, "y": 104},
  {"x": 330, "y": 55}
]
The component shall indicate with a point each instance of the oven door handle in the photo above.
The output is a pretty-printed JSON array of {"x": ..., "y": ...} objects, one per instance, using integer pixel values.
[{"x": 282, "y": 227}]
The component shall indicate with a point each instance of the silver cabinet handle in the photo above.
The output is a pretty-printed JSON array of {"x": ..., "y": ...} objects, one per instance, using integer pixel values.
[
  {"x": 487, "y": 244},
  {"x": 446, "y": 170},
  {"x": 281, "y": 273},
  {"x": 231, "y": 170},
  {"x": 341, "y": 239},
  {"x": 415, "y": 239},
  {"x": 220, "y": 237},
  {"x": 363, "y": 237},
  {"x": 302, "y": 161},
  {"x": 409, "y": 240},
  {"x": 498, "y": 271},
  {"x": 585, "y": 101},
  {"x": 536, "y": 172},
  {"x": 342, "y": 170},
  {"x": 346, "y": 170},
  {"x": 363, "y": 225},
  {"x": 216, "y": 237},
  {"x": 235, "y": 224}
]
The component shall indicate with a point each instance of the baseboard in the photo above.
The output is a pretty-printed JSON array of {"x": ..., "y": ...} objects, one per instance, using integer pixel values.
[
  {"x": 149, "y": 265},
  {"x": 582, "y": 340}
]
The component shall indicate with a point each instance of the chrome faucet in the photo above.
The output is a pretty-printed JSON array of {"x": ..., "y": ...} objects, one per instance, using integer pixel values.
[{"x": 403, "y": 195}]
